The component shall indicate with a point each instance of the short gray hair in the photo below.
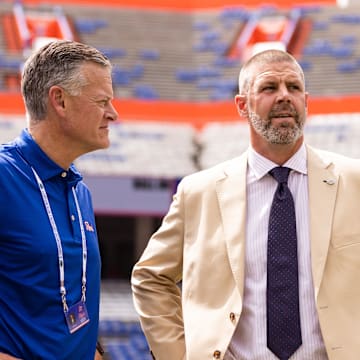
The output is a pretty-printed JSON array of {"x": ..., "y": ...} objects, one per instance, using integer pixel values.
[
  {"x": 56, "y": 63},
  {"x": 265, "y": 57}
]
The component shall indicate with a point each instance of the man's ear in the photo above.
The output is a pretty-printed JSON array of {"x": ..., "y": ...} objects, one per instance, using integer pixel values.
[
  {"x": 57, "y": 99},
  {"x": 241, "y": 105},
  {"x": 306, "y": 101}
]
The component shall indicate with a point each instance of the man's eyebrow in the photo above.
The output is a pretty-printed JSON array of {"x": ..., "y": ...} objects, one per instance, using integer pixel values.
[
  {"x": 103, "y": 97},
  {"x": 267, "y": 81}
]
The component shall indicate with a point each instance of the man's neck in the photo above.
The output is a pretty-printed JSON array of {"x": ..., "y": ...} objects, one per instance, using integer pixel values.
[{"x": 52, "y": 144}]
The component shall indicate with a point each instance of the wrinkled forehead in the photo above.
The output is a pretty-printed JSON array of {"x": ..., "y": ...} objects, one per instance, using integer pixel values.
[{"x": 276, "y": 71}]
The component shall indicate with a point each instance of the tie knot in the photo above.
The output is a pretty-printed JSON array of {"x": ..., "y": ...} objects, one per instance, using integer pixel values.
[{"x": 280, "y": 174}]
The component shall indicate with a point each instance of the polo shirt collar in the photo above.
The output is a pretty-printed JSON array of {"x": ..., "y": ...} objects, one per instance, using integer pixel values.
[{"x": 43, "y": 165}]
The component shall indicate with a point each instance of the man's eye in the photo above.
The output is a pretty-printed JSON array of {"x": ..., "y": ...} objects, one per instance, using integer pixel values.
[{"x": 268, "y": 87}]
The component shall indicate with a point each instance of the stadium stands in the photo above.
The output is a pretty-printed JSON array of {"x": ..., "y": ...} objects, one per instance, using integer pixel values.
[
  {"x": 334, "y": 132},
  {"x": 10, "y": 127},
  {"x": 333, "y": 50},
  {"x": 222, "y": 141},
  {"x": 189, "y": 60},
  {"x": 171, "y": 151},
  {"x": 119, "y": 329},
  {"x": 144, "y": 148}
]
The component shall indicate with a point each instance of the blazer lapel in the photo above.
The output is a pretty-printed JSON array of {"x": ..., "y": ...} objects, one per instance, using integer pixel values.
[
  {"x": 323, "y": 185},
  {"x": 231, "y": 192}
]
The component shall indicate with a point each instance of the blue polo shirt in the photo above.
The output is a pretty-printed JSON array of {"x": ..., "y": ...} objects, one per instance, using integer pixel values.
[{"x": 32, "y": 321}]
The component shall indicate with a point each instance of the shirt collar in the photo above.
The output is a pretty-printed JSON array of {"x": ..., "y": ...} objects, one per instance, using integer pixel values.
[
  {"x": 43, "y": 165},
  {"x": 260, "y": 165}
]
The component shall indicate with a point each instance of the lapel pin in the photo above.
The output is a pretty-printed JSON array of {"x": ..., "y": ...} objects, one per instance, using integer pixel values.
[{"x": 329, "y": 182}]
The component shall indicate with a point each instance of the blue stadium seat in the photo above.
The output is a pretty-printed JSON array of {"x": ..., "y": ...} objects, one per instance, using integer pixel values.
[
  {"x": 137, "y": 71},
  {"x": 10, "y": 64},
  {"x": 226, "y": 62},
  {"x": 201, "y": 26},
  {"x": 146, "y": 92},
  {"x": 124, "y": 340},
  {"x": 341, "y": 51},
  {"x": 89, "y": 26},
  {"x": 113, "y": 52},
  {"x": 149, "y": 54},
  {"x": 346, "y": 67},
  {"x": 120, "y": 76},
  {"x": 186, "y": 75},
  {"x": 207, "y": 71}
]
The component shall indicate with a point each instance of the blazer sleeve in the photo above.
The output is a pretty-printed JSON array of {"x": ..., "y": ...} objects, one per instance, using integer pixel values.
[{"x": 155, "y": 284}]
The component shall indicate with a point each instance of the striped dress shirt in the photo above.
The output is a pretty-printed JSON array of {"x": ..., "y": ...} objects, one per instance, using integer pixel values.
[{"x": 249, "y": 340}]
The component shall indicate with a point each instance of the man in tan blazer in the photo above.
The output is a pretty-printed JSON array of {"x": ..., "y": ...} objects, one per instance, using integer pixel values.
[{"x": 200, "y": 285}]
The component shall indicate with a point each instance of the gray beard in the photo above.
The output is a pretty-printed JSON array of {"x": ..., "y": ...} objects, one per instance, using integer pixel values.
[{"x": 276, "y": 135}]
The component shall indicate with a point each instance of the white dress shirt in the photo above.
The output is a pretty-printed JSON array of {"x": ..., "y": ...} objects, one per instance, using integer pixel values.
[{"x": 249, "y": 340}]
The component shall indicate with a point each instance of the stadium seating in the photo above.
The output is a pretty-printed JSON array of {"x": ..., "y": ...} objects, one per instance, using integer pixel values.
[
  {"x": 138, "y": 148},
  {"x": 10, "y": 127},
  {"x": 333, "y": 49},
  {"x": 222, "y": 141},
  {"x": 123, "y": 340},
  {"x": 335, "y": 132},
  {"x": 165, "y": 150},
  {"x": 152, "y": 64}
]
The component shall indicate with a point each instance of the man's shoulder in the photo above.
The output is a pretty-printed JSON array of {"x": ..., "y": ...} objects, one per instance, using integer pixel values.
[
  {"x": 214, "y": 173},
  {"x": 333, "y": 155},
  {"x": 335, "y": 159},
  {"x": 7, "y": 153}
]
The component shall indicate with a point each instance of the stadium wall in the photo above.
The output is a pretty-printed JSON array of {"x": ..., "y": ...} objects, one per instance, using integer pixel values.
[{"x": 197, "y": 114}]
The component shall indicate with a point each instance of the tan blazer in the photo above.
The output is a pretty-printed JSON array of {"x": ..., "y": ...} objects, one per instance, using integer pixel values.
[{"x": 202, "y": 240}]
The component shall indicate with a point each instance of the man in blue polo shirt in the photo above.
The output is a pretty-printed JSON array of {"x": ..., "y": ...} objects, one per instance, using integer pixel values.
[{"x": 49, "y": 254}]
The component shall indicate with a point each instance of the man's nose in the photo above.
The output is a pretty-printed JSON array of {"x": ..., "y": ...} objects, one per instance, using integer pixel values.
[
  {"x": 283, "y": 93},
  {"x": 111, "y": 113}
]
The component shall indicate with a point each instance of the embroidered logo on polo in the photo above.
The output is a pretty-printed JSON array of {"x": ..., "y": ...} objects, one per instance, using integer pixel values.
[{"x": 88, "y": 226}]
